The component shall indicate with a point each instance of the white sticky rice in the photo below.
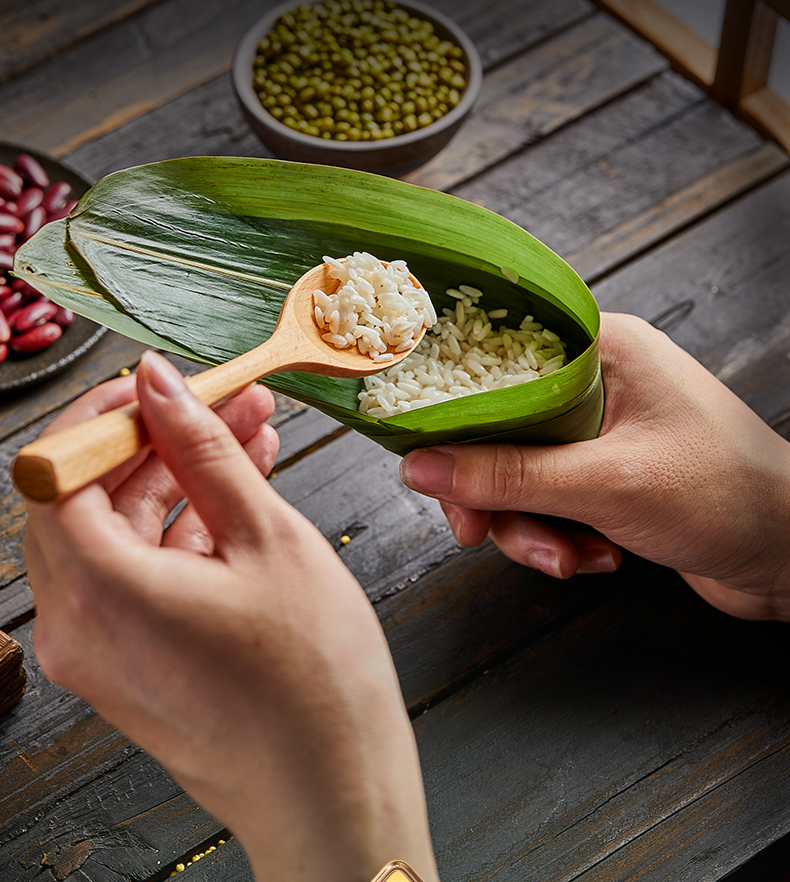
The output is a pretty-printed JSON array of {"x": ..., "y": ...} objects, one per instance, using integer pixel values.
[
  {"x": 376, "y": 308},
  {"x": 463, "y": 354}
]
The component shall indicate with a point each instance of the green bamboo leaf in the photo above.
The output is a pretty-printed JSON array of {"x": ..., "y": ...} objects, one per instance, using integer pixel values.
[{"x": 196, "y": 256}]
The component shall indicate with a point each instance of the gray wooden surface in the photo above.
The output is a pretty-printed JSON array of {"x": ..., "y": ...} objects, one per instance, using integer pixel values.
[{"x": 608, "y": 728}]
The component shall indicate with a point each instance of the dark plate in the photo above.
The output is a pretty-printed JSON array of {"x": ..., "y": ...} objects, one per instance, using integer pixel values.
[{"x": 17, "y": 372}]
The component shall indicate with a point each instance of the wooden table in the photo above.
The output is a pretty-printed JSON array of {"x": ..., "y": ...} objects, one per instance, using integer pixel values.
[{"x": 607, "y": 728}]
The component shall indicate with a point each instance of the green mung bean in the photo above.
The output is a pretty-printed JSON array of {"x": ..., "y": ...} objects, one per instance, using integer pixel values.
[{"x": 357, "y": 70}]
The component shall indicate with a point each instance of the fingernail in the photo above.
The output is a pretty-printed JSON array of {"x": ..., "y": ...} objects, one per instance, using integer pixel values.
[
  {"x": 546, "y": 561},
  {"x": 602, "y": 561},
  {"x": 454, "y": 522},
  {"x": 428, "y": 471},
  {"x": 161, "y": 376}
]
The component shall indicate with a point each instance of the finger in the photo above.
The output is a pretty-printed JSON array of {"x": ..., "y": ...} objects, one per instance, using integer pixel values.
[
  {"x": 188, "y": 531},
  {"x": 470, "y": 526},
  {"x": 217, "y": 476},
  {"x": 81, "y": 530},
  {"x": 108, "y": 396},
  {"x": 597, "y": 554},
  {"x": 562, "y": 480},
  {"x": 149, "y": 495},
  {"x": 533, "y": 542}
]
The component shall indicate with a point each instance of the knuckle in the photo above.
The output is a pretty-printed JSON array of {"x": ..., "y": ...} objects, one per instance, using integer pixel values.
[
  {"x": 509, "y": 478},
  {"x": 208, "y": 445}
]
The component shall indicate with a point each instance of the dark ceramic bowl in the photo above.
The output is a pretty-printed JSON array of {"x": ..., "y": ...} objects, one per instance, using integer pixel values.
[{"x": 392, "y": 156}]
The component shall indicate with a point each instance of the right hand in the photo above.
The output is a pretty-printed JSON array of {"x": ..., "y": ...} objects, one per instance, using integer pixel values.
[{"x": 683, "y": 473}]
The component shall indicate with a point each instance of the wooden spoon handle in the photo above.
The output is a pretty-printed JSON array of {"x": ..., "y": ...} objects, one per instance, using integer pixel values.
[{"x": 57, "y": 464}]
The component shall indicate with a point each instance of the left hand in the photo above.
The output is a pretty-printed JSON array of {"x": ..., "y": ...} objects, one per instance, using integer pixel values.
[{"x": 235, "y": 647}]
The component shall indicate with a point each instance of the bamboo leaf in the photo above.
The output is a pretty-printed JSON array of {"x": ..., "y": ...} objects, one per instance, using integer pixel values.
[{"x": 196, "y": 256}]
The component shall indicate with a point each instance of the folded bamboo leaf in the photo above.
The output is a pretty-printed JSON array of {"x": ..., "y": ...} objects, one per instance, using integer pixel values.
[{"x": 196, "y": 256}]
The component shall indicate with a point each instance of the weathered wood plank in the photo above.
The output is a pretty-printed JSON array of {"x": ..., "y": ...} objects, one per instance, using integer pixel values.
[
  {"x": 512, "y": 26},
  {"x": 707, "y": 839},
  {"x": 16, "y": 604},
  {"x": 470, "y": 612},
  {"x": 165, "y": 51},
  {"x": 462, "y": 629},
  {"x": 78, "y": 795},
  {"x": 690, "y": 53},
  {"x": 720, "y": 288},
  {"x": 539, "y": 92},
  {"x": 301, "y": 432},
  {"x": 634, "y": 237},
  {"x": 590, "y": 738},
  {"x": 33, "y": 31},
  {"x": 209, "y": 121},
  {"x": 617, "y": 165},
  {"x": 351, "y": 487},
  {"x": 124, "y": 71}
]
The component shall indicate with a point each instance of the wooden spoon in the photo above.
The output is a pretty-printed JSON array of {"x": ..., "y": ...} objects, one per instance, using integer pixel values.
[{"x": 62, "y": 462}]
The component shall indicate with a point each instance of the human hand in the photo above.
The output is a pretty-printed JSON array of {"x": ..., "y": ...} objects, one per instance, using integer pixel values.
[
  {"x": 683, "y": 473},
  {"x": 234, "y": 646}
]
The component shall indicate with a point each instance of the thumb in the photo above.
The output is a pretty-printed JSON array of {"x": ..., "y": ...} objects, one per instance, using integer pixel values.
[
  {"x": 210, "y": 465},
  {"x": 563, "y": 480}
]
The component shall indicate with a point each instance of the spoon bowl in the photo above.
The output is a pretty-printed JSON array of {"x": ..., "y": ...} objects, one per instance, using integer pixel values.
[{"x": 57, "y": 464}]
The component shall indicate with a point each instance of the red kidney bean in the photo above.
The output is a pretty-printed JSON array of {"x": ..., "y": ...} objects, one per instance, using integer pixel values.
[
  {"x": 11, "y": 208},
  {"x": 6, "y": 260},
  {"x": 56, "y": 196},
  {"x": 3, "y": 351},
  {"x": 7, "y": 240},
  {"x": 63, "y": 212},
  {"x": 64, "y": 317},
  {"x": 18, "y": 284},
  {"x": 5, "y": 329},
  {"x": 31, "y": 170},
  {"x": 29, "y": 200},
  {"x": 5, "y": 290},
  {"x": 34, "y": 222},
  {"x": 30, "y": 293},
  {"x": 10, "y": 224},
  {"x": 9, "y": 305},
  {"x": 11, "y": 184},
  {"x": 33, "y": 315},
  {"x": 37, "y": 338}
]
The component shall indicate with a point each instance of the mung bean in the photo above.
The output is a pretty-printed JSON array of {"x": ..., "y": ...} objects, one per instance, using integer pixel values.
[{"x": 357, "y": 70}]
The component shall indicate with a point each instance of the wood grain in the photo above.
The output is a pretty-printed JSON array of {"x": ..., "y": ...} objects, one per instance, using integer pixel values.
[
  {"x": 12, "y": 672},
  {"x": 733, "y": 267},
  {"x": 603, "y": 728},
  {"x": 538, "y": 93},
  {"x": 618, "y": 166},
  {"x": 151, "y": 58},
  {"x": 673, "y": 214},
  {"x": 592, "y": 738},
  {"x": 691, "y": 54},
  {"x": 34, "y": 30}
]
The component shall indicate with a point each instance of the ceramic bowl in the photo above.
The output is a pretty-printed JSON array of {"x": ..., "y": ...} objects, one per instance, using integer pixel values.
[{"x": 393, "y": 156}]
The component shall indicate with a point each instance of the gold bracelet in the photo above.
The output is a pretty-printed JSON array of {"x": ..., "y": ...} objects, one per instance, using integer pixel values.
[{"x": 397, "y": 871}]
